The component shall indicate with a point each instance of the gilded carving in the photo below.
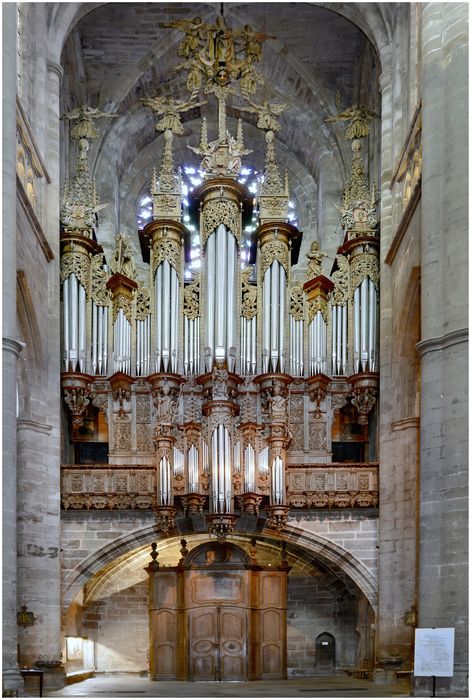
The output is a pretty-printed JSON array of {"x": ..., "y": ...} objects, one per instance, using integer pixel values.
[
  {"x": 100, "y": 294},
  {"x": 249, "y": 295},
  {"x": 297, "y": 303},
  {"x": 364, "y": 400},
  {"x": 142, "y": 408},
  {"x": 218, "y": 212},
  {"x": 122, "y": 260},
  {"x": 142, "y": 303},
  {"x": 314, "y": 267},
  {"x": 77, "y": 264},
  {"x": 340, "y": 279},
  {"x": 319, "y": 304},
  {"x": 364, "y": 265},
  {"x": 274, "y": 250},
  {"x": 168, "y": 250},
  {"x": 191, "y": 299},
  {"x": 121, "y": 301},
  {"x": 143, "y": 438}
]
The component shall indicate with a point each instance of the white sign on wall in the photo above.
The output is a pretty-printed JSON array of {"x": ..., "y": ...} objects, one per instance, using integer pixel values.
[{"x": 434, "y": 651}]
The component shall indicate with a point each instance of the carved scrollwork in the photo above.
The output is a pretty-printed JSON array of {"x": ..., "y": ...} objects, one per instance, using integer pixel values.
[
  {"x": 364, "y": 400},
  {"x": 218, "y": 212},
  {"x": 297, "y": 303},
  {"x": 364, "y": 265},
  {"x": 191, "y": 299},
  {"x": 249, "y": 295},
  {"x": 77, "y": 400},
  {"x": 340, "y": 279},
  {"x": 318, "y": 304},
  {"x": 100, "y": 294},
  {"x": 166, "y": 250},
  {"x": 274, "y": 250},
  {"x": 142, "y": 303},
  {"x": 121, "y": 301},
  {"x": 77, "y": 264}
]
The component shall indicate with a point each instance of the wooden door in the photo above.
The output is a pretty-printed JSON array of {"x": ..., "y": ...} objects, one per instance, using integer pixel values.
[{"x": 217, "y": 644}]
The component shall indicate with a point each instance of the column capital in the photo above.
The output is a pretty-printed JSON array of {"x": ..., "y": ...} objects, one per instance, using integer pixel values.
[
  {"x": 13, "y": 346},
  {"x": 56, "y": 68}
]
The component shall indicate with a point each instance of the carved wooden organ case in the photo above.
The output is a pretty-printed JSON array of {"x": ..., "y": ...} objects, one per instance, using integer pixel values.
[{"x": 226, "y": 397}]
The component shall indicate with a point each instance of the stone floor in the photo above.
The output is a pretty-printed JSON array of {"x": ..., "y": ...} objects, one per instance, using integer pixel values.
[{"x": 121, "y": 685}]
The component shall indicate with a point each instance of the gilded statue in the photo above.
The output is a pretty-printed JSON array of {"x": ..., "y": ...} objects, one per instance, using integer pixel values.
[
  {"x": 267, "y": 114},
  {"x": 358, "y": 119},
  {"x": 122, "y": 261},
  {"x": 314, "y": 257},
  {"x": 84, "y": 128},
  {"x": 218, "y": 53},
  {"x": 170, "y": 110}
]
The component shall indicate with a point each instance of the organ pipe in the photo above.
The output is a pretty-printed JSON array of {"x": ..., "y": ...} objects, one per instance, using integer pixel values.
[
  {"x": 221, "y": 470},
  {"x": 167, "y": 317},
  {"x": 277, "y": 482}
]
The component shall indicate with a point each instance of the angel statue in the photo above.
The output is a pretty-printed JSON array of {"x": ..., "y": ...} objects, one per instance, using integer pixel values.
[
  {"x": 195, "y": 31},
  {"x": 267, "y": 114},
  {"x": 314, "y": 268},
  {"x": 84, "y": 128},
  {"x": 252, "y": 43},
  {"x": 358, "y": 119},
  {"x": 170, "y": 110}
]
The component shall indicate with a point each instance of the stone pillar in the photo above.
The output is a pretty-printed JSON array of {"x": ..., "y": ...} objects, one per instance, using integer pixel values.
[
  {"x": 443, "y": 579},
  {"x": 393, "y": 639},
  {"x": 12, "y": 680},
  {"x": 52, "y": 587}
]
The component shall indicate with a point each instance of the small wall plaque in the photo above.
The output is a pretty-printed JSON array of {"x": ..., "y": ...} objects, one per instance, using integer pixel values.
[{"x": 25, "y": 618}]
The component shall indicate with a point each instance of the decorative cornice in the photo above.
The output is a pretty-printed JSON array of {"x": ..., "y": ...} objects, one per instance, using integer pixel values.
[
  {"x": 27, "y": 424},
  {"x": 34, "y": 221},
  {"x": 13, "y": 346},
  {"x": 406, "y": 423},
  {"x": 442, "y": 342}
]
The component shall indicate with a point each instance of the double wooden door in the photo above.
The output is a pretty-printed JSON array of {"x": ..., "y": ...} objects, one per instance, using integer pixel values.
[{"x": 217, "y": 638}]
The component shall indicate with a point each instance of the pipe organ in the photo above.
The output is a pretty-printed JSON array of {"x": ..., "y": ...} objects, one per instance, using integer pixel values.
[{"x": 231, "y": 375}]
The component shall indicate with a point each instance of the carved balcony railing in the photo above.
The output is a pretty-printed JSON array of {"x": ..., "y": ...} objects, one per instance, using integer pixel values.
[{"x": 334, "y": 485}]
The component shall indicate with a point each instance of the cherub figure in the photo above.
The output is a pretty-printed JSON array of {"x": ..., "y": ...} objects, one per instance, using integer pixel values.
[
  {"x": 170, "y": 110},
  {"x": 358, "y": 121},
  {"x": 84, "y": 128},
  {"x": 314, "y": 257},
  {"x": 267, "y": 114}
]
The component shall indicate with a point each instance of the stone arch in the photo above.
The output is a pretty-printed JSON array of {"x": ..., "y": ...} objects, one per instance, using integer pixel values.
[{"x": 335, "y": 560}]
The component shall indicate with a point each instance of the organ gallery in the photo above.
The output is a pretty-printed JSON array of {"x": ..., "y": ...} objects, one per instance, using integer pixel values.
[{"x": 233, "y": 341}]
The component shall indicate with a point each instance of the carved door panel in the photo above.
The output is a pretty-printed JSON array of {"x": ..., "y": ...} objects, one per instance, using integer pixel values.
[
  {"x": 232, "y": 644},
  {"x": 217, "y": 644},
  {"x": 203, "y": 636}
]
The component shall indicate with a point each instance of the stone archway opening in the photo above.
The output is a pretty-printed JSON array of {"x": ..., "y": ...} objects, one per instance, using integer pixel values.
[{"x": 113, "y": 604}]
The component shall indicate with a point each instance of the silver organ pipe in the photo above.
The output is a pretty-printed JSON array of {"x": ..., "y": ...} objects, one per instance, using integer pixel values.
[
  {"x": 143, "y": 347},
  {"x": 158, "y": 317},
  {"x": 231, "y": 307},
  {"x": 317, "y": 344},
  {"x": 205, "y": 461},
  {"x": 249, "y": 464},
  {"x": 73, "y": 313},
  {"x": 193, "y": 471},
  {"x": 186, "y": 344},
  {"x": 82, "y": 324},
  {"x": 122, "y": 343},
  {"x": 210, "y": 293},
  {"x": 335, "y": 309},
  {"x": 178, "y": 462},
  {"x": 263, "y": 460},
  {"x": 167, "y": 316},
  {"x": 356, "y": 331},
  {"x": 237, "y": 463},
  {"x": 220, "y": 292},
  {"x": 277, "y": 482},
  {"x": 365, "y": 327},
  {"x": 281, "y": 321},
  {"x": 66, "y": 322},
  {"x": 191, "y": 355},
  {"x": 296, "y": 346},
  {"x": 99, "y": 338},
  {"x": 344, "y": 339},
  {"x": 266, "y": 320},
  {"x": 164, "y": 496},
  {"x": 275, "y": 317},
  {"x": 364, "y": 324},
  {"x": 372, "y": 327},
  {"x": 221, "y": 470}
]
